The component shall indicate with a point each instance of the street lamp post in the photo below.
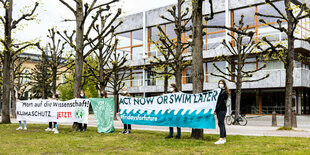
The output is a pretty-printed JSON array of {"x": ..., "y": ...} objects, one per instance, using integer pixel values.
[{"x": 144, "y": 57}]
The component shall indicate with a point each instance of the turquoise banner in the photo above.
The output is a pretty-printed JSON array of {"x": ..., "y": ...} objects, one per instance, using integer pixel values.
[
  {"x": 174, "y": 110},
  {"x": 104, "y": 114}
]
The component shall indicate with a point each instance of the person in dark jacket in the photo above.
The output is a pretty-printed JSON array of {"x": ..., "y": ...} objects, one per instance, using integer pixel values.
[
  {"x": 173, "y": 88},
  {"x": 221, "y": 110}
]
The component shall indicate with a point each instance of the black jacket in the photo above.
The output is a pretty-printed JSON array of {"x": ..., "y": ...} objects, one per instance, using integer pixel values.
[{"x": 221, "y": 101}]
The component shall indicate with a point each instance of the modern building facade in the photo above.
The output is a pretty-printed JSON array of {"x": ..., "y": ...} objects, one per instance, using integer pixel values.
[{"x": 263, "y": 97}]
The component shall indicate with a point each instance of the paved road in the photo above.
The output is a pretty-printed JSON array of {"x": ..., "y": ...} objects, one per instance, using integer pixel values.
[{"x": 257, "y": 126}]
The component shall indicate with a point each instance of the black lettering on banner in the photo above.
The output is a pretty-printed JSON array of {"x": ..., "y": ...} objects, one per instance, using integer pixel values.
[
  {"x": 209, "y": 96},
  {"x": 214, "y": 95},
  {"x": 171, "y": 99},
  {"x": 187, "y": 98},
  {"x": 143, "y": 101},
  {"x": 136, "y": 101},
  {"x": 150, "y": 100},
  {"x": 160, "y": 100},
  {"x": 165, "y": 99},
  {"x": 195, "y": 98}
]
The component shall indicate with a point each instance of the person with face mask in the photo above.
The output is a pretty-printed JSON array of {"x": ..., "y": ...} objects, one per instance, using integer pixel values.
[
  {"x": 221, "y": 110},
  {"x": 173, "y": 88},
  {"x": 127, "y": 127},
  {"x": 82, "y": 128}
]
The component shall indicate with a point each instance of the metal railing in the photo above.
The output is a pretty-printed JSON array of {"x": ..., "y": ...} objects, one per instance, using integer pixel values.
[{"x": 268, "y": 109}]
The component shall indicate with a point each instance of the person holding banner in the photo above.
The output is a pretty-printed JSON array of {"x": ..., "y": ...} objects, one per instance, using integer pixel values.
[
  {"x": 50, "y": 124},
  {"x": 21, "y": 97},
  {"x": 221, "y": 110},
  {"x": 173, "y": 88},
  {"x": 104, "y": 94},
  {"x": 127, "y": 127},
  {"x": 82, "y": 128}
]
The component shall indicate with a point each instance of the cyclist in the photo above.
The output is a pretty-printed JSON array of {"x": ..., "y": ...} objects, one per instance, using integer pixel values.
[{"x": 221, "y": 110}]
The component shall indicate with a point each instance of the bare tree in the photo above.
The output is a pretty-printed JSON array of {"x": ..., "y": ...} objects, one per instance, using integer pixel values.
[
  {"x": 11, "y": 49},
  {"x": 236, "y": 58},
  {"x": 105, "y": 47},
  {"x": 119, "y": 73},
  {"x": 56, "y": 61},
  {"x": 174, "y": 48},
  {"x": 17, "y": 79},
  {"x": 197, "y": 46},
  {"x": 160, "y": 65},
  {"x": 82, "y": 12},
  {"x": 286, "y": 53}
]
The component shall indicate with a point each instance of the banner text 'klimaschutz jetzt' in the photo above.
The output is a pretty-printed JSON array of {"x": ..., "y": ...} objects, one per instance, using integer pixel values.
[{"x": 75, "y": 110}]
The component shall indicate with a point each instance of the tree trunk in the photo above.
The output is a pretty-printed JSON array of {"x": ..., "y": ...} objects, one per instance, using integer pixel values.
[
  {"x": 197, "y": 65},
  {"x": 101, "y": 74},
  {"x": 239, "y": 77},
  {"x": 79, "y": 49},
  {"x": 115, "y": 93},
  {"x": 289, "y": 68},
  {"x": 77, "y": 83},
  {"x": 166, "y": 83},
  {"x": 115, "y": 106},
  {"x": 178, "y": 74},
  {"x": 7, "y": 63},
  {"x": 178, "y": 78},
  {"x": 13, "y": 92},
  {"x": 54, "y": 80}
]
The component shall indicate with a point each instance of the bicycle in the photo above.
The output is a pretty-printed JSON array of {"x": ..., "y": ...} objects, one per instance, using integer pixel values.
[{"x": 231, "y": 119}]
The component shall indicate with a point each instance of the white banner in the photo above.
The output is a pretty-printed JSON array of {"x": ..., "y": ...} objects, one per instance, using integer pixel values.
[{"x": 75, "y": 110}]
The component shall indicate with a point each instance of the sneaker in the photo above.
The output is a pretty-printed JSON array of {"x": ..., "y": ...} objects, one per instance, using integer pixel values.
[
  {"x": 19, "y": 128},
  {"x": 177, "y": 138},
  {"x": 56, "y": 131},
  {"x": 128, "y": 132},
  {"x": 48, "y": 129},
  {"x": 124, "y": 131},
  {"x": 220, "y": 141},
  {"x": 53, "y": 129},
  {"x": 25, "y": 128}
]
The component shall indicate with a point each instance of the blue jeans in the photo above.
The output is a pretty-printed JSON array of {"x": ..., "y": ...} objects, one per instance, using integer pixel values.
[
  {"x": 20, "y": 124},
  {"x": 178, "y": 132}
]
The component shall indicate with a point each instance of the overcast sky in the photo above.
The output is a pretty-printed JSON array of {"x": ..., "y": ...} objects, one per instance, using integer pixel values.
[{"x": 51, "y": 13}]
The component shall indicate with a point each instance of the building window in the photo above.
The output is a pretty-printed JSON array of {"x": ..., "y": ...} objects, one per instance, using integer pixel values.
[
  {"x": 187, "y": 75},
  {"x": 131, "y": 43},
  {"x": 211, "y": 69},
  {"x": 137, "y": 79},
  {"x": 214, "y": 36},
  {"x": 151, "y": 78}
]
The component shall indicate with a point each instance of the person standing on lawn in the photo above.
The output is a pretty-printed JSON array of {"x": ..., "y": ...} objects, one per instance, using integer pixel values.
[
  {"x": 221, "y": 110},
  {"x": 127, "y": 127},
  {"x": 19, "y": 98},
  {"x": 82, "y": 126},
  {"x": 173, "y": 88},
  {"x": 50, "y": 124}
]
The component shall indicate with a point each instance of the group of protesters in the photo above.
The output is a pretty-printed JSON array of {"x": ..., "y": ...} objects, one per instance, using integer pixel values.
[{"x": 220, "y": 112}]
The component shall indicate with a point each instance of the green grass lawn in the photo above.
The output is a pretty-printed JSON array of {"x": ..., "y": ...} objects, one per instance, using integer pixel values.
[{"x": 36, "y": 141}]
